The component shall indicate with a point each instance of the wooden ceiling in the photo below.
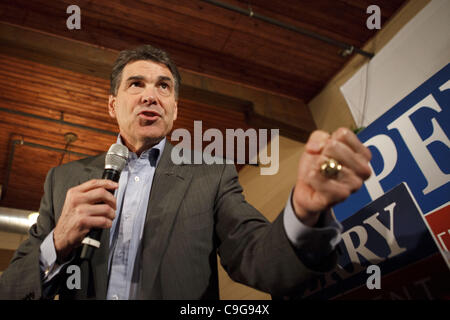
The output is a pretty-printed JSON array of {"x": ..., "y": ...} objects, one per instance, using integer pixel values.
[
  {"x": 43, "y": 96},
  {"x": 217, "y": 42}
]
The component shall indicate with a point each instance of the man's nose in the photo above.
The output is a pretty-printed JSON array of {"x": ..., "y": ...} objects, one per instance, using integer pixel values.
[{"x": 148, "y": 97}]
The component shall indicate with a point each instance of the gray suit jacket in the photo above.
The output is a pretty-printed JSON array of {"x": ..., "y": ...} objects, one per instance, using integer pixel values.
[{"x": 194, "y": 211}]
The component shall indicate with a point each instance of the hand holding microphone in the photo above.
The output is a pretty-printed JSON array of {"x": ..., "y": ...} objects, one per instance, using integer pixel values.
[{"x": 89, "y": 208}]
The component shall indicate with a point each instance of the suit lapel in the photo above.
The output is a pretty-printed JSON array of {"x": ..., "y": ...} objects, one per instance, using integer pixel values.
[
  {"x": 168, "y": 189},
  {"x": 99, "y": 262}
]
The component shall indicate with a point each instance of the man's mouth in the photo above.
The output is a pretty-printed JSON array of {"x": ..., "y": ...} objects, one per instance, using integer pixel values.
[{"x": 149, "y": 115}]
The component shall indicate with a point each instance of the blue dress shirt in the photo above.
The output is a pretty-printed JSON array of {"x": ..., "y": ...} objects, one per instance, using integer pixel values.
[{"x": 126, "y": 232}]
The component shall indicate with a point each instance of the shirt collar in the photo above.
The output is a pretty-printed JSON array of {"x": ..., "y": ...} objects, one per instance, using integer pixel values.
[{"x": 151, "y": 151}]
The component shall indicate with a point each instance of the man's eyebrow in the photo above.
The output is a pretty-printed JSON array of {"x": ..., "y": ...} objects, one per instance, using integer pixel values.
[
  {"x": 165, "y": 78},
  {"x": 133, "y": 78},
  {"x": 160, "y": 78}
]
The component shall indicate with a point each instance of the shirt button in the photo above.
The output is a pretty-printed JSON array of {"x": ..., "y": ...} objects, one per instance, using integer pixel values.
[
  {"x": 115, "y": 297},
  {"x": 136, "y": 179}
]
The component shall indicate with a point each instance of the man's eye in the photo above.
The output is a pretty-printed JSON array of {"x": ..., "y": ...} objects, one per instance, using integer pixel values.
[
  {"x": 135, "y": 84},
  {"x": 164, "y": 85}
]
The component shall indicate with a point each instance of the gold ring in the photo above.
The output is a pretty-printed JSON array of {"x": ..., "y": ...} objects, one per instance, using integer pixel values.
[{"x": 330, "y": 168}]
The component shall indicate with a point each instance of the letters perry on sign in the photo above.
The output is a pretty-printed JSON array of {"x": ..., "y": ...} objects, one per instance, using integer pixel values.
[
  {"x": 410, "y": 143},
  {"x": 391, "y": 233}
]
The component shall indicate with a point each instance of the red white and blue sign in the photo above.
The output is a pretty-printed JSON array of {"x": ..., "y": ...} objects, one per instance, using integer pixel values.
[
  {"x": 399, "y": 221},
  {"x": 410, "y": 143},
  {"x": 391, "y": 233}
]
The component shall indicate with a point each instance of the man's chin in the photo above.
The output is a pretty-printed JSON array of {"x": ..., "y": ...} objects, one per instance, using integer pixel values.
[{"x": 153, "y": 136}]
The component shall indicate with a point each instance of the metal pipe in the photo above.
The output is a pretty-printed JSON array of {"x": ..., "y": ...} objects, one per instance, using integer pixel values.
[
  {"x": 15, "y": 220},
  {"x": 305, "y": 32}
]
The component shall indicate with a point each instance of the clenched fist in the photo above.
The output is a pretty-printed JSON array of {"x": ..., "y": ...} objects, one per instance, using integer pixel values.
[
  {"x": 314, "y": 192},
  {"x": 86, "y": 206}
]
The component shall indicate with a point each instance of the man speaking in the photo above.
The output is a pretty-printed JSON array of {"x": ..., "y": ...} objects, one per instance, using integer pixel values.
[{"x": 166, "y": 223}]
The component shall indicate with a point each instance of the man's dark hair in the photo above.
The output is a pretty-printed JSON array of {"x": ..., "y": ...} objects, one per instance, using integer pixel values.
[{"x": 144, "y": 52}]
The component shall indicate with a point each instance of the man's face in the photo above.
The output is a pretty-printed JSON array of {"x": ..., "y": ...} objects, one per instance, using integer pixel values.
[{"x": 145, "y": 106}]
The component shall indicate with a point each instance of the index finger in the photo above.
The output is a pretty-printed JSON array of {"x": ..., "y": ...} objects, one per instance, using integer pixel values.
[
  {"x": 346, "y": 136},
  {"x": 316, "y": 141},
  {"x": 97, "y": 183}
]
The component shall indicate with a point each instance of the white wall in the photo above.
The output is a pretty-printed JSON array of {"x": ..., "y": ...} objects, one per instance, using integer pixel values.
[{"x": 414, "y": 54}]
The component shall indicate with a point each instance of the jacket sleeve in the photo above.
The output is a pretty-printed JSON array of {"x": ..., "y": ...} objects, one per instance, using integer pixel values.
[
  {"x": 254, "y": 251},
  {"x": 23, "y": 277}
]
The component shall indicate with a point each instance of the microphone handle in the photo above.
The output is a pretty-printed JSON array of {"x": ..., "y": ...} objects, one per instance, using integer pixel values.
[{"x": 92, "y": 240}]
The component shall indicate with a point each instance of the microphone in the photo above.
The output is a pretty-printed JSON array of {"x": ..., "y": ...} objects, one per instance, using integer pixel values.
[{"x": 115, "y": 161}]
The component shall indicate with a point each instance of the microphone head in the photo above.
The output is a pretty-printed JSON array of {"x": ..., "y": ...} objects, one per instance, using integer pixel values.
[{"x": 117, "y": 157}]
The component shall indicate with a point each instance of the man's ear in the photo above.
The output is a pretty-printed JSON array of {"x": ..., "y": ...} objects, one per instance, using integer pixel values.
[
  {"x": 112, "y": 106},
  {"x": 175, "y": 111}
]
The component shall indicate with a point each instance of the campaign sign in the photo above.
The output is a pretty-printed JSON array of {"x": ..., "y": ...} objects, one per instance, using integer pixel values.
[
  {"x": 427, "y": 279},
  {"x": 439, "y": 222},
  {"x": 409, "y": 143},
  {"x": 391, "y": 234}
]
